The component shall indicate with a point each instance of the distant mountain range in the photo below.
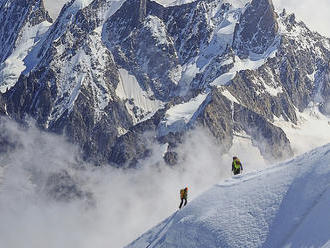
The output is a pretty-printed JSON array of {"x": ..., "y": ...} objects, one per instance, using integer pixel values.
[{"x": 105, "y": 72}]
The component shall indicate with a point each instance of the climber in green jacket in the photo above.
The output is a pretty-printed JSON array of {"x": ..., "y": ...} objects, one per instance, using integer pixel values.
[{"x": 236, "y": 166}]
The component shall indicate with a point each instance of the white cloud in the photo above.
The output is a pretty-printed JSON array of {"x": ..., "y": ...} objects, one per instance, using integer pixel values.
[{"x": 127, "y": 202}]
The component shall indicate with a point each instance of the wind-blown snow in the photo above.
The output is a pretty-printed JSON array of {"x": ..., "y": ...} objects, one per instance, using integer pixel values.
[
  {"x": 126, "y": 202},
  {"x": 138, "y": 101},
  {"x": 283, "y": 206}
]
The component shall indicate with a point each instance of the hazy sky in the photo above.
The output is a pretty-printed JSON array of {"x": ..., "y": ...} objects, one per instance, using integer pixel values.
[{"x": 315, "y": 13}]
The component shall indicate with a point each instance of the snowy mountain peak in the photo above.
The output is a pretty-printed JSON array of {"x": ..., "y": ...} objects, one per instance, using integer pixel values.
[{"x": 126, "y": 67}]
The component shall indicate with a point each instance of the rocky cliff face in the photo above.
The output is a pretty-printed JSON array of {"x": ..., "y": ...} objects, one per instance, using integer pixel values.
[
  {"x": 106, "y": 73},
  {"x": 257, "y": 28}
]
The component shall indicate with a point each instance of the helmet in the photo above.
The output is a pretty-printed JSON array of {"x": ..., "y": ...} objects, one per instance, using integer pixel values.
[{"x": 234, "y": 157}]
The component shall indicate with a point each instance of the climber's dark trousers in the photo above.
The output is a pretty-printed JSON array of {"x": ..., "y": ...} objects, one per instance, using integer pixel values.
[{"x": 183, "y": 199}]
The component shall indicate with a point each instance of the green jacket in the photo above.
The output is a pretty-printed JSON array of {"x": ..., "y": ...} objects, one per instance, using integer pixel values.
[{"x": 236, "y": 165}]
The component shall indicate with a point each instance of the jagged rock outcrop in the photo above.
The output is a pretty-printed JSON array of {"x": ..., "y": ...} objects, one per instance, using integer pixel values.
[
  {"x": 71, "y": 88},
  {"x": 14, "y": 16},
  {"x": 257, "y": 28}
]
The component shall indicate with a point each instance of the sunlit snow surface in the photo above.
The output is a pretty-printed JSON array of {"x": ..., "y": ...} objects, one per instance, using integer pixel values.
[{"x": 283, "y": 206}]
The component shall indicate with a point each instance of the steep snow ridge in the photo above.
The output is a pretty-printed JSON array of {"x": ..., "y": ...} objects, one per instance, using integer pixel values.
[
  {"x": 13, "y": 66},
  {"x": 276, "y": 207},
  {"x": 138, "y": 101}
]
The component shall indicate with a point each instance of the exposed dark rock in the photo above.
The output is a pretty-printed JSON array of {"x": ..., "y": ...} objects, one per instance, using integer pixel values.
[
  {"x": 257, "y": 28},
  {"x": 171, "y": 158}
]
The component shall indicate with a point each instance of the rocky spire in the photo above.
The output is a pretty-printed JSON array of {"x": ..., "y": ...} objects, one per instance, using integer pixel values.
[{"x": 257, "y": 28}]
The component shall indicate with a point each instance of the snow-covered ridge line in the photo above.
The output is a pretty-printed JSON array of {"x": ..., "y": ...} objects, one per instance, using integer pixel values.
[{"x": 255, "y": 205}]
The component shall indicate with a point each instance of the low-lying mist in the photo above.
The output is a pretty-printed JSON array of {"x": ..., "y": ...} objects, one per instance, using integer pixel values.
[{"x": 50, "y": 199}]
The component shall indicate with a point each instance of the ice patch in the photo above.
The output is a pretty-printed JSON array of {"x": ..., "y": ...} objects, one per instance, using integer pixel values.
[
  {"x": 80, "y": 4},
  {"x": 230, "y": 97},
  {"x": 157, "y": 28},
  {"x": 184, "y": 111},
  {"x": 138, "y": 101},
  {"x": 178, "y": 116},
  {"x": 273, "y": 91}
]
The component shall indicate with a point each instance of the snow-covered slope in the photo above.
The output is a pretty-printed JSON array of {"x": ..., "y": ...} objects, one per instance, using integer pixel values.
[{"x": 283, "y": 206}]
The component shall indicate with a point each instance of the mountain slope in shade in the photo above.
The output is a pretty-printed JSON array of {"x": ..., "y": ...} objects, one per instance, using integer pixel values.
[{"x": 283, "y": 206}]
